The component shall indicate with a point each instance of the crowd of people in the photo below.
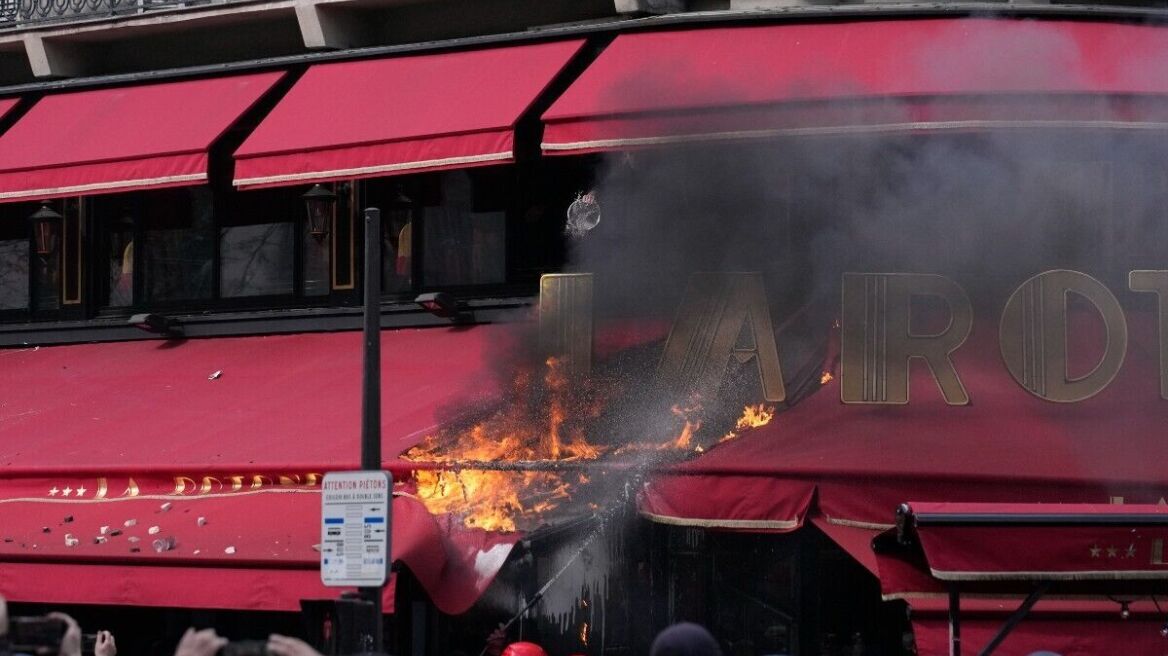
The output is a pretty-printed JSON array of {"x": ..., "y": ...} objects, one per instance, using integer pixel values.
[
  {"x": 678, "y": 640},
  {"x": 684, "y": 639}
]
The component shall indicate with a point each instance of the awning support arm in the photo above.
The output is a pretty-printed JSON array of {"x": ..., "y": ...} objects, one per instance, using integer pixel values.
[{"x": 1017, "y": 616}]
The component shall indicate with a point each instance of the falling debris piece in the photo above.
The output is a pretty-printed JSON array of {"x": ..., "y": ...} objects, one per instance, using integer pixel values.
[
  {"x": 46, "y": 529},
  {"x": 197, "y": 551},
  {"x": 103, "y": 530},
  {"x": 99, "y": 539},
  {"x": 164, "y": 544},
  {"x": 71, "y": 541},
  {"x": 68, "y": 518},
  {"x": 116, "y": 532},
  {"x": 316, "y": 547},
  {"x": 135, "y": 549},
  {"x": 153, "y": 530},
  {"x": 8, "y": 539},
  {"x": 202, "y": 521},
  {"x": 229, "y": 550},
  {"x": 215, "y": 375},
  {"x": 130, "y": 522},
  {"x": 134, "y": 538},
  {"x": 165, "y": 507}
]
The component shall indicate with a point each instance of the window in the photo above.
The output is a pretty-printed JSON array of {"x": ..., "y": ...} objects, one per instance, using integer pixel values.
[
  {"x": 40, "y": 261},
  {"x": 442, "y": 230},
  {"x": 191, "y": 248}
]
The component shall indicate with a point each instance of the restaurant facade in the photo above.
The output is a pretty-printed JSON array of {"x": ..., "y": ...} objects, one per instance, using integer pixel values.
[{"x": 839, "y": 332}]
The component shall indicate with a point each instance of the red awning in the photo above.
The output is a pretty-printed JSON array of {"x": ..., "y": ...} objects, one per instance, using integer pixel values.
[
  {"x": 110, "y": 140},
  {"x": 1026, "y": 542},
  {"x": 1007, "y": 446},
  {"x": 400, "y": 115},
  {"x": 130, "y": 436},
  {"x": 862, "y": 76}
]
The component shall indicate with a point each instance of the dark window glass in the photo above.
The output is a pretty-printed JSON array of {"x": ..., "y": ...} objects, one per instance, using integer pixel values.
[
  {"x": 316, "y": 263},
  {"x": 14, "y": 260},
  {"x": 465, "y": 240},
  {"x": 120, "y": 262},
  {"x": 256, "y": 260},
  {"x": 47, "y": 278},
  {"x": 449, "y": 229},
  {"x": 257, "y": 245},
  {"x": 179, "y": 234},
  {"x": 398, "y": 200}
]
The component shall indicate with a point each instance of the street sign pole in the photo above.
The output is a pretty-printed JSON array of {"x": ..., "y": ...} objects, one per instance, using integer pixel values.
[{"x": 371, "y": 398}]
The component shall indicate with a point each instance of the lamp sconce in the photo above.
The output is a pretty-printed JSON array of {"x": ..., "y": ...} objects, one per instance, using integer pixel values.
[
  {"x": 45, "y": 223},
  {"x": 157, "y": 324},
  {"x": 319, "y": 204},
  {"x": 445, "y": 306}
]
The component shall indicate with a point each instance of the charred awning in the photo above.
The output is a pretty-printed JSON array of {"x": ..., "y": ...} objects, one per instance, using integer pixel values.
[
  {"x": 400, "y": 115},
  {"x": 122, "y": 139},
  {"x": 839, "y": 78},
  {"x": 215, "y": 449}
]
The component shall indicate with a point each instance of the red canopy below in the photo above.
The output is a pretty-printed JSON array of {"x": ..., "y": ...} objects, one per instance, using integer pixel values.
[
  {"x": 1068, "y": 628},
  {"x": 399, "y": 115},
  {"x": 870, "y": 76},
  {"x": 129, "y": 436},
  {"x": 1071, "y": 542},
  {"x": 122, "y": 139}
]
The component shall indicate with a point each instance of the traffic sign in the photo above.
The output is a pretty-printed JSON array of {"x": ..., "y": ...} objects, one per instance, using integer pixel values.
[{"x": 355, "y": 528}]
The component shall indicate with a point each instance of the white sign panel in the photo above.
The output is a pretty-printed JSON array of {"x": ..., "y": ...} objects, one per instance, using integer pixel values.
[{"x": 354, "y": 528}]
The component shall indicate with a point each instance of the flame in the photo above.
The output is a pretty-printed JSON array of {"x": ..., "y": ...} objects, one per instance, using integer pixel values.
[
  {"x": 542, "y": 420},
  {"x": 522, "y": 430},
  {"x": 753, "y": 416},
  {"x": 690, "y": 415},
  {"x": 584, "y": 633},
  {"x": 826, "y": 378}
]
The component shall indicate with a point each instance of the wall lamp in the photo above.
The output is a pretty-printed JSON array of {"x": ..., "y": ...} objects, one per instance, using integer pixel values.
[
  {"x": 44, "y": 224},
  {"x": 445, "y": 306},
  {"x": 319, "y": 204},
  {"x": 156, "y": 323}
]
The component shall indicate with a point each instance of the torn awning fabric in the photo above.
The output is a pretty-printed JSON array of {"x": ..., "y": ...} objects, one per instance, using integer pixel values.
[{"x": 109, "y": 447}]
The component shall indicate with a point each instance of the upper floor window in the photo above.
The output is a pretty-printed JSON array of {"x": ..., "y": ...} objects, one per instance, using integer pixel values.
[
  {"x": 444, "y": 230},
  {"x": 40, "y": 259},
  {"x": 190, "y": 247}
]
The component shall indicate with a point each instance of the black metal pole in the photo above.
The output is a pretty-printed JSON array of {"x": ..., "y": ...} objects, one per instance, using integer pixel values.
[
  {"x": 371, "y": 396},
  {"x": 954, "y": 621}
]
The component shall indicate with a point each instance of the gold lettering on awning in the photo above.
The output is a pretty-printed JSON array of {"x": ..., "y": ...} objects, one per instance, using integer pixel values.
[
  {"x": 723, "y": 316},
  {"x": 565, "y": 319},
  {"x": 1033, "y": 336},
  {"x": 878, "y": 342},
  {"x": 1156, "y": 282}
]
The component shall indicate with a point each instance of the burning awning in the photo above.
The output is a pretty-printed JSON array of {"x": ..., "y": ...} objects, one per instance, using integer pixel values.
[
  {"x": 400, "y": 115},
  {"x": 1006, "y": 446},
  {"x": 220, "y": 445},
  {"x": 884, "y": 76},
  {"x": 122, "y": 139}
]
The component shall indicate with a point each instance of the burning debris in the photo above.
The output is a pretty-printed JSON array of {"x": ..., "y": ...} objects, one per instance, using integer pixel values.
[{"x": 539, "y": 450}]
